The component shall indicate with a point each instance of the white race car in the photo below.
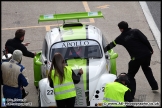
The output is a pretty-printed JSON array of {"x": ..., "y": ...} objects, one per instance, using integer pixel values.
[{"x": 82, "y": 46}]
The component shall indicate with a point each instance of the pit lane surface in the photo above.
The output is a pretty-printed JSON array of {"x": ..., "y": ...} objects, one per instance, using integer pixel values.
[{"x": 25, "y": 15}]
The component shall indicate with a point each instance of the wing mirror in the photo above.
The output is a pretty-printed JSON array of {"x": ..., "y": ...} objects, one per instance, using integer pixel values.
[{"x": 114, "y": 56}]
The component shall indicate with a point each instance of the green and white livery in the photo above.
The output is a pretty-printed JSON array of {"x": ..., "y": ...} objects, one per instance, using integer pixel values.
[{"x": 82, "y": 46}]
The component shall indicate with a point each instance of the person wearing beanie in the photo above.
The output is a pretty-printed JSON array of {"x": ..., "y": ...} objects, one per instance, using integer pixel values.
[
  {"x": 140, "y": 51},
  {"x": 12, "y": 77}
]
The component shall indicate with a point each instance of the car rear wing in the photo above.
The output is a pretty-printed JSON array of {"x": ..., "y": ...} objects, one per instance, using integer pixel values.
[{"x": 70, "y": 16}]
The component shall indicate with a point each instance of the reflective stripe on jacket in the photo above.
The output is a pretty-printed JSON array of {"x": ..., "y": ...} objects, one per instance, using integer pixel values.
[
  {"x": 67, "y": 88},
  {"x": 114, "y": 92}
]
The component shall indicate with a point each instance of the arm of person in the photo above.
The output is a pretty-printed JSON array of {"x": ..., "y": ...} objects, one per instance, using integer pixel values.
[
  {"x": 22, "y": 81},
  {"x": 26, "y": 52},
  {"x": 50, "y": 82},
  {"x": 49, "y": 77},
  {"x": 26, "y": 44},
  {"x": 110, "y": 46},
  {"x": 127, "y": 96},
  {"x": 76, "y": 78}
]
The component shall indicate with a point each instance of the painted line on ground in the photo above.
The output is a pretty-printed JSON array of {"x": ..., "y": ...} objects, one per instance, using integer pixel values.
[
  {"x": 85, "y": 4},
  {"x": 46, "y": 26},
  {"x": 27, "y": 27},
  {"x": 151, "y": 23}
]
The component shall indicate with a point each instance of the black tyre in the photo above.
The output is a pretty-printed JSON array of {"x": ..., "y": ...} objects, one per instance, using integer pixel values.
[
  {"x": 36, "y": 87},
  {"x": 39, "y": 101}
]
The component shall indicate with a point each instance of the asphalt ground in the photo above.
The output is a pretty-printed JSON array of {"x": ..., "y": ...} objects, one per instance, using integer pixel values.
[{"x": 15, "y": 15}]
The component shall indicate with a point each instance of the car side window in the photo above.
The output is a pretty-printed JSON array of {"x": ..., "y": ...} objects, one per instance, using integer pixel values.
[
  {"x": 94, "y": 51},
  {"x": 45, "y": 48},
  {"x": 104, "y": 41}
]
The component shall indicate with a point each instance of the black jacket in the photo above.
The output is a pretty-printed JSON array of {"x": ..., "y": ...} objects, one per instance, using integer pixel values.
[
  {"x": 134, "y": 41},
  {"x": 76, "y": 79},
  {"x": 13, "y": 44},
  {"x": 127, "y": 96}
]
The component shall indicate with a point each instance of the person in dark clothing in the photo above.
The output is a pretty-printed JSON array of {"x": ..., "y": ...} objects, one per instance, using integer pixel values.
[
  {"x": 62, "y": 79},
  {"x": 16, "y": 43},
  {"x": 140, "y": 51}
]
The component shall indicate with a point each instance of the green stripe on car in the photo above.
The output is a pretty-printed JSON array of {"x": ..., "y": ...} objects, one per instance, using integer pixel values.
[
  {"x": 73, "y": 33},
  {"x": 77, "y": 64}
]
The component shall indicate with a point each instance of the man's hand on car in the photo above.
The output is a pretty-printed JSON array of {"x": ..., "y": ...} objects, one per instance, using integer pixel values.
[{"x": 81, "y": 71}]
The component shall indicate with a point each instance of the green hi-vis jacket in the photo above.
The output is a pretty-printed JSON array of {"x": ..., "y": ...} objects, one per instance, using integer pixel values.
[
  {"x": 114, "y": 94},
  {"x": 67, "y": 88}
]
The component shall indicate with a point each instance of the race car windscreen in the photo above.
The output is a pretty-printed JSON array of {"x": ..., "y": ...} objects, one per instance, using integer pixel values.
[{"x": 77, "y": 49}]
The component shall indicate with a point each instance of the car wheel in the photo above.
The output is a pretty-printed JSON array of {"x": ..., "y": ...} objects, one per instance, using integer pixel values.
[
  {"x": 39, "y": 100},
  {"x": 36, "y": 87}
]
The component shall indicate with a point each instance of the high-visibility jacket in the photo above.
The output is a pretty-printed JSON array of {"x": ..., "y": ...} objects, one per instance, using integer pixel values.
[
  {"x": 67, "y": 88},
  {"x": 114, "y": 93}
]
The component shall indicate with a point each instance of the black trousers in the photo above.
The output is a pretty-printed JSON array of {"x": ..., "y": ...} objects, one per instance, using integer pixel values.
[
  {"x": 23, "y": 93},
  {"x": 134, "y": 66},
  {"x": 70, "y": 102}
]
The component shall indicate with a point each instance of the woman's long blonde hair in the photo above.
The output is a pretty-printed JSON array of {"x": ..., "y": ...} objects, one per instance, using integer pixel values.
[{"x": 58, "y": 65}]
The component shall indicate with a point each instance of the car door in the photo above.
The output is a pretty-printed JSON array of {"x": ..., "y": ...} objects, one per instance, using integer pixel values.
[
  {"x": 44, "y": 58},
  {"x": 104, "y": 44},
  {"x": 110, "y": 57},
  {"x": 37, "y": 68}
]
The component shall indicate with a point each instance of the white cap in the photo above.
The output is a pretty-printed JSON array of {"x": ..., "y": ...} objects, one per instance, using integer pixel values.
[
  {"x": 9, "y": 57},
  {"x": 17, "y": 55}
]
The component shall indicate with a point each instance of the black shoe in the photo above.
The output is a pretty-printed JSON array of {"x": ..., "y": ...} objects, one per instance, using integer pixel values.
[
  {"x": 155, "y": 88},
  {"x": 26, "y": 93}
]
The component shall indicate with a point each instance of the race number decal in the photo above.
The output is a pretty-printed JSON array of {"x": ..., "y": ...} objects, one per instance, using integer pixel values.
[
  {"x": 103, "y": 89},
  {"x": 50, "y": 16},
  {"x": 49, "y": 92}
]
